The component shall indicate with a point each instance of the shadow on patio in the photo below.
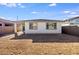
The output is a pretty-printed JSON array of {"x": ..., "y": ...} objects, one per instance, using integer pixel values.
[
  {"x": 5, "y": 34},
  {"x": 44, "y": 38}
]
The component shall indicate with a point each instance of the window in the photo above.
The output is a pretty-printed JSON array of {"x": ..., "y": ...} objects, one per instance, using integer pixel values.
[
  {"x": 33, "y": 26},
  {"x": 51, "y": 26},
  {"x": 8, "y": 24},
  {"x": 0, "y": 24}
]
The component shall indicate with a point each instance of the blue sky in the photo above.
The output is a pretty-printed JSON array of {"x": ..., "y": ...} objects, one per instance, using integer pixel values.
[{"x": 24, "y": 11}]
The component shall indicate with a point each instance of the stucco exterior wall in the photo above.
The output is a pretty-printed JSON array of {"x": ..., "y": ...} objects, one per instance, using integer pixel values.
[
  {"x": 67, "y": 23},
  {"x": 42, "y": 28},
  {"x": 6, "y": 29}
]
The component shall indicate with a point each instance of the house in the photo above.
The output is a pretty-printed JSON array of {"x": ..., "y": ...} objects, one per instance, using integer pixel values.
[
  {"x": 71, "y": 26},
  {"x": 43, "y": 26},
  {"x": 6, "y": 26},
  {"x": 72, "y": 21}
]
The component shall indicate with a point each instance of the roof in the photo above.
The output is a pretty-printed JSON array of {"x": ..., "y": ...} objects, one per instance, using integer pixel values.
[
  {"x": 5, "y": 21},
  {"x": 70, "y": 19},
  {"x": 45, "y": 20}
]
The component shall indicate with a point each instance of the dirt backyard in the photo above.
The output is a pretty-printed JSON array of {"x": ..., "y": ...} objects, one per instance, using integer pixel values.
[{"x": 52, "y": 44}]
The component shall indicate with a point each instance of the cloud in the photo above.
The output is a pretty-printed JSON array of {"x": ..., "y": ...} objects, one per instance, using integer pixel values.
[
  {"x": 73, "y": 13},
  {"x": 12, "y": 5},
  {"x": 34, "y": 12},
  {"x": 7, "y": 18},
  {"x": 66, "y": 12},
  {"x": 70, "y": 12},
  {"x": 2, "y": 17},
  {"x": 9, "y": 4},
  {"x": 19, "y": 4},
  {"x": 53, "y": 4}
]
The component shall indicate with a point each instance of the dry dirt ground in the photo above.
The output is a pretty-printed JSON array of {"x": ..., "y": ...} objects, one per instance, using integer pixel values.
[{"x": 54, "y": 44}]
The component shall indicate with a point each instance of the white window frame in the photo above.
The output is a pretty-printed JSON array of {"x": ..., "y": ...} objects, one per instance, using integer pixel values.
[
  {"x": 51, "y": 26},
  {"x": 33, "y": 26}
]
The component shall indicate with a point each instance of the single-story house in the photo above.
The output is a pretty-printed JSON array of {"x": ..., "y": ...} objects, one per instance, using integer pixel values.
[
  {"x": 6, "y": 26},
  {"x": 72, "y": 21},
  {"x": 43, "y": 26}
]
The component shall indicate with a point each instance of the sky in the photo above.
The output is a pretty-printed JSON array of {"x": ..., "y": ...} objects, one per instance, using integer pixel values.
[{"x": 27, "y": 11}]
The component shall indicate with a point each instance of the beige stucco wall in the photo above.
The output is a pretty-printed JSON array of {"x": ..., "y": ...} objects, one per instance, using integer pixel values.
[
  {"x": 66, "y": 24},
  {"x": 42, "y": 28},
  {"x": 19, "y": 27},
  {"x": 6, "y": 29}
]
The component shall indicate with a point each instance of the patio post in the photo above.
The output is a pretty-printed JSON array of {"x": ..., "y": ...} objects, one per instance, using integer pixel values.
[{"x": 15, "y": 29}]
